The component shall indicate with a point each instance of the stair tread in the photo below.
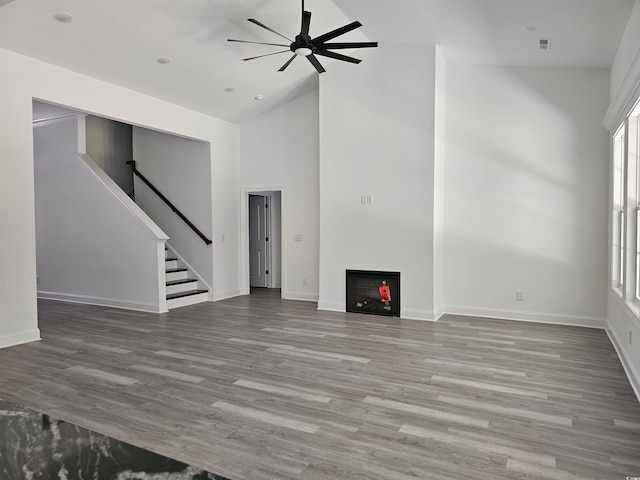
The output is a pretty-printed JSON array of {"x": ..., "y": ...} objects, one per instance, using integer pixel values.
[
  {"x": 185, "y": 294},
  {"x": 174, "y": 270},
  {"x": 178, "y": 282},
  {"x": 170, "y": 259}
]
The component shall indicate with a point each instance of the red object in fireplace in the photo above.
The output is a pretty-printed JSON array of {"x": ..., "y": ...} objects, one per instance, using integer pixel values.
[{"x": 385, "y": 293}]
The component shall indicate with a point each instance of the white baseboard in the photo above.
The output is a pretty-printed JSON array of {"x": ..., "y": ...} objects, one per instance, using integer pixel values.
[
  {"x": 632, "y": 373},
  {"x": 19, "y": 338},
  {"x": 105, "y": 302},
  {"x": 217, "y": 296},
  {"x": 302, "y": 296},
  {"x": 414, "y": 314},
  {"x": 331, "y": 307},
  {"x": 522, "y": 316}
]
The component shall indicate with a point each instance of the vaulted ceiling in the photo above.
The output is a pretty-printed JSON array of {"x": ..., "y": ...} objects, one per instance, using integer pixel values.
[{"x": 120, "y": 41}]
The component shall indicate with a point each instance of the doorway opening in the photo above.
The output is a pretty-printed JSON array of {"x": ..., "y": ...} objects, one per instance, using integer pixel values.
[{"x": 263, "y": 242}]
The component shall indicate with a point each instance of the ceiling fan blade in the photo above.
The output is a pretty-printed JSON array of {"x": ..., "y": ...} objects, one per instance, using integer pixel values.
[
  {"x": 257, "y": 43},
  {"x": 266, "y": 55},
  {"x": 253, "y": 20},
  {"x": 336, "y": 46},
  {"x": 314, "y": 61},
  {"x": 337, "y": 56},
  {"x": 282, "y": 68},
  {"x": 335, "y": 33},
  {"x": 306, "y": 21}
]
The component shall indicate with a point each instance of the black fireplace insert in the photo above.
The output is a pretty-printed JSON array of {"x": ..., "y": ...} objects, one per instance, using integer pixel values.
[{"x": 373, "y": 292}]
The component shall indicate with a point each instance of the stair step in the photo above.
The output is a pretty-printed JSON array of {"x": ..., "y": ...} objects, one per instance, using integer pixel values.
[
  {"x": 185, "y": 294},
  {"x": 179, "y": 285},
  {"x": 173, "y": 274},
  {"x": 170, "y": 263},
  {"x": 181, "y": 281},
  {"x": 175, "y": 270},
  {"x": 170, "y": 259}
]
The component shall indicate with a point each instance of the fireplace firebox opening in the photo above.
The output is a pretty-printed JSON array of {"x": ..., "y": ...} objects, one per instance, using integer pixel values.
[{"x": 373, "y": 292}]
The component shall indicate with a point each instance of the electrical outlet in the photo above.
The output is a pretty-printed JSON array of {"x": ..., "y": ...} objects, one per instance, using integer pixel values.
[
  {"x": 304, "y": 281},
  {"x": 520, "y": 296}
]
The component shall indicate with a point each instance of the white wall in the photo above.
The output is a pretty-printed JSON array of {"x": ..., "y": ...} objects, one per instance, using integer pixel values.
[
  {"x": 377, "y": 138},
  {"x": 280, "y": 151},
  {"x": 626, "y": 53},
  {"x": 91, "y": 246},
  {"x": 21, "y": 80},
  {"x": 625, "y": 90},
  {"x": 525, "y": 193},
  {"x": 109, "y": 144},
  {"x": 18, "y": 315},
  {"x": 180, "y": 168}
]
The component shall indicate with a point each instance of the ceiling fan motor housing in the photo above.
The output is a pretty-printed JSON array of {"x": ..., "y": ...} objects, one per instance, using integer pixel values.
[{"x": 304, "y": 45}]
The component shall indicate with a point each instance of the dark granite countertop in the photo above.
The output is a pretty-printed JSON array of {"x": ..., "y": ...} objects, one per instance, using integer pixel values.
[{"x": 34, "y": 446}]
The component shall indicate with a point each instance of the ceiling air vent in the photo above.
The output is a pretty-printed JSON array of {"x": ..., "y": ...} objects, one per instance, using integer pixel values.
[{"x": 544, "y": 43}]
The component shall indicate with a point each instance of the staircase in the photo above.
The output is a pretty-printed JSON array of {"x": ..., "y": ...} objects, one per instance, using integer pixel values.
[{"x": 183, "y": 287}]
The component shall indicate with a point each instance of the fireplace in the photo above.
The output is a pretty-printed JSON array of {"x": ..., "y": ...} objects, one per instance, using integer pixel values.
[{"x": 373, "y": 292}]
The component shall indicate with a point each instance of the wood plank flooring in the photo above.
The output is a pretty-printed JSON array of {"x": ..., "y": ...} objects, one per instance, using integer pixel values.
[{"x": 257, "y": 388}]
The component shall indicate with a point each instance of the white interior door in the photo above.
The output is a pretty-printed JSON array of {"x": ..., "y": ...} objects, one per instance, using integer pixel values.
[{"x": 258, "y": 238}]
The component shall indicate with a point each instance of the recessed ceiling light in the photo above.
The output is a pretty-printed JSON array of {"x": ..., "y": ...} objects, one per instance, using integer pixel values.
[
  {"x": 230, "y": 89},
  {"x": 63, "y": 17},
  {"x": 530, "y": 28},
  {"x": 163, "y": 60},
  {"x": 259, "y": 97}
]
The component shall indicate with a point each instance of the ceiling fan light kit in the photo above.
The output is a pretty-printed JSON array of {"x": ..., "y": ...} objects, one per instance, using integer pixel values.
[{"x": 306, "y": 46}]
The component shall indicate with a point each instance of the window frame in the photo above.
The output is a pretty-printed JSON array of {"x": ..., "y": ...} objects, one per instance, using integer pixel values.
[{"x": 625, "y": 211}]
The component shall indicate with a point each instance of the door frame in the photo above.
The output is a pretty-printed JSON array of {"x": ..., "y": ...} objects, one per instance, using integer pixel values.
[{"x": 245, "y": 287}]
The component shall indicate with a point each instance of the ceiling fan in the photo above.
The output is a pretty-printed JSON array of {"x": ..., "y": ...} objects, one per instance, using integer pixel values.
[{"x": 305, "y": 46}]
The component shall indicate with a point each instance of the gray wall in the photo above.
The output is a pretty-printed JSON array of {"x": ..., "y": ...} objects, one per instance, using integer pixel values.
[{"x": 110, "y": 145}]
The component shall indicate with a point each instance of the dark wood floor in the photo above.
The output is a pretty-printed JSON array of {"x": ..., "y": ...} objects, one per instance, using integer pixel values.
[{"x": 261, "y": 388}]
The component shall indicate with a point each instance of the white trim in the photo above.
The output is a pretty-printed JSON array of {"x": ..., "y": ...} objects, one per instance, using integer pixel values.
[
  {"x": 217, "y": 296},
  {"x": 105, "y": 302},
  {"x": 627, "y": 365},
  {"x": 423, "y": 315},
  {"x": 331, "y": 307},
  {"x": 244, "y": 234},
  {"x": 20, "y": 338},
  {"x": 626, "y": 96},
  {"x": 523, "y": 316},
  {"x": 302, "y": 296}
]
